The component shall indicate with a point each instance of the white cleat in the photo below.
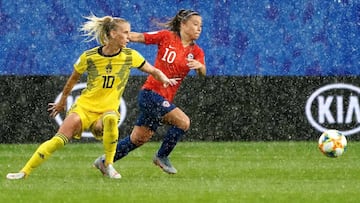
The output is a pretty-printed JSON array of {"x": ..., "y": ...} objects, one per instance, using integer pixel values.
[
  {"x": 16, "y": 176},
  {"x": 111, "y": 172}
]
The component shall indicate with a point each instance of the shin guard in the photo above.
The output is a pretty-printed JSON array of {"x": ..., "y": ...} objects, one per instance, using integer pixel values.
[{"x": 110, "y": 137}]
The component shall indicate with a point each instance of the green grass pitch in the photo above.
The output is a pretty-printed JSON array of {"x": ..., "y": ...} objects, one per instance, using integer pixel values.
[{"x": 207, "y": 172}]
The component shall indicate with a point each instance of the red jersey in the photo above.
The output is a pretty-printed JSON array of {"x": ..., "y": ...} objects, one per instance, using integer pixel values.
[{"x": 171, "y": 60}]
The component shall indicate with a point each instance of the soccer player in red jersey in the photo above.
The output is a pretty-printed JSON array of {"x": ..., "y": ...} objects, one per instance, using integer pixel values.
[{"x": 177, "y": 55}]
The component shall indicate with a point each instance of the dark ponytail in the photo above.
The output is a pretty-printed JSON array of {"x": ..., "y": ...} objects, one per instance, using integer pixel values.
[{"x": 182, "y": 15}]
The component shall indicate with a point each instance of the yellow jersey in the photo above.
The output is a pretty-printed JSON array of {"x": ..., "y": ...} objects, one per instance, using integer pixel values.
[{"x": 107, "y": 77}]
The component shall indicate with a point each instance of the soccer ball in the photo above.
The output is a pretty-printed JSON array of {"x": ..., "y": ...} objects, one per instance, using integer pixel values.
[{"x": 332, "y": 143}]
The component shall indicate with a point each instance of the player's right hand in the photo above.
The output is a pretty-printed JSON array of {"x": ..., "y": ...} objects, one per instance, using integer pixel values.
[{"x": 55, "y": 109}]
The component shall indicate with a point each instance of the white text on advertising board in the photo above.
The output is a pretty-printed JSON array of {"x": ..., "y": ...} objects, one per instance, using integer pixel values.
[{"x": 335, "y": 109}]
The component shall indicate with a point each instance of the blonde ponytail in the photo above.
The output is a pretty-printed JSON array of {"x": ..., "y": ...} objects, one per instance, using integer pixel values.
[{"x": 99, "y": 28}]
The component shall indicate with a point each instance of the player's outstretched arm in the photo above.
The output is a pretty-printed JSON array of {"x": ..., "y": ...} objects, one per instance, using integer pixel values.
[
  {"x": 159, "y": 75},
  {"x": 137, "y": 37}
]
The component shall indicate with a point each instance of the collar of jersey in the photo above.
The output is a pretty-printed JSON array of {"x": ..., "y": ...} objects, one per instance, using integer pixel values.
[{"x": 102, "y": 54}]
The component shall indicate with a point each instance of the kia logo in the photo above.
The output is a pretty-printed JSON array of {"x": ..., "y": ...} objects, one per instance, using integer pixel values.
[
  {"x": 75, "y": 93},
  {"x": 341, "y": 109}
]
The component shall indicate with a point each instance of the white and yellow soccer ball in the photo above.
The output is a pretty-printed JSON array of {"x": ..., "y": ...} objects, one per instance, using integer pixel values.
[{"x": 332, "y": 143}]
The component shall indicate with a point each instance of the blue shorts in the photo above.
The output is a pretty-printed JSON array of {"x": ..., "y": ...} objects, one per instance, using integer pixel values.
[{"x": 152, "y": 108}]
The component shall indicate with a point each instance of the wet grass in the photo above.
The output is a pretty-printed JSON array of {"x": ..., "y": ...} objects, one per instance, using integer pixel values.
[{"x": 208, "y": 172}]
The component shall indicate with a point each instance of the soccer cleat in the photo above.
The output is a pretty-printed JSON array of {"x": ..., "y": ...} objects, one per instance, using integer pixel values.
[
  {"x": 164, "y": 164},
  {"x": 106, "y": 171},
  {"x": 99, "y": 164},
  {"x": 111, "y": 172},
  {"x": 16, "y": 176}
]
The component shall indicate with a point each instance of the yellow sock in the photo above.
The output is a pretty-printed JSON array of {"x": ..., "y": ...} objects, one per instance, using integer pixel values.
[
  {"x": 110, "y": 137},
  {"x": 44, "y": 151}
]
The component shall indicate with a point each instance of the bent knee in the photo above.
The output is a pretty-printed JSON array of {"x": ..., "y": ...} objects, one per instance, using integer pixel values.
[
  {"x": 110, "y": 127},
  {"x": 185, "y": 125},
  {"x": 110, "y": 120}
]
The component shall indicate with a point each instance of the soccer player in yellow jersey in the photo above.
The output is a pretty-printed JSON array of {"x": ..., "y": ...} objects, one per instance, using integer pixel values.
[{"x": 108, "y": 68}]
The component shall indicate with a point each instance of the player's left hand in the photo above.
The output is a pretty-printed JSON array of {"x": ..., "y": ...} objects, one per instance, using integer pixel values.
[
  {"x": 194, "y": 64},
  {"x": 171, "y": 82}
]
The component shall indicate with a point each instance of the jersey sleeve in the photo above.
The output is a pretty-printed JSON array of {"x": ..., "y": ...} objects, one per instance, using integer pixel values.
[
  {"x": 155, "y": 37},
  {"x": 138, "y": 60},
  {"x": 80, "y": 64}
]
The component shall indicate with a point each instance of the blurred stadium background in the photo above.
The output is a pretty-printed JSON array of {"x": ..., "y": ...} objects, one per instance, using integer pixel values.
[{"x": 278, "y": 70}]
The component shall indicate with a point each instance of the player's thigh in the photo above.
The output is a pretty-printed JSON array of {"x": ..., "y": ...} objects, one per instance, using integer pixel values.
[
  {"x": 71, "y": 125},
  {"x": 177, "y": 118}
]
